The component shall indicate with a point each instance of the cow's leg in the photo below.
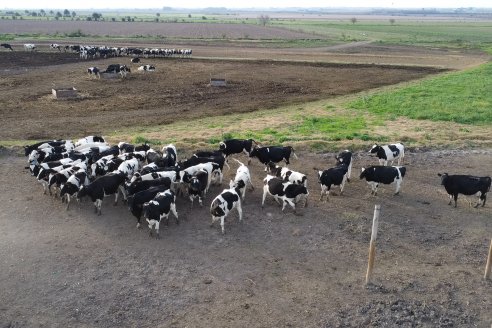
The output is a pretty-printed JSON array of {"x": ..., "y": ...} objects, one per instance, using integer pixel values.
[
  {"x": 68, "y": 201},
  {"x": 116, "y": 197},
  {"x": 349, "y": 172},
  {"x": 222, "y": 224},
  {"x": 123, "y": 193},
  {"x": 484, "y": 199},
  {"x": 455, "y": 200},
  {"x": 251, "y": 184},
  {"x": 450, "y": 199},
  {"x": 200, "y": 200},
  {"x": 342, "y": 185},
  {"x": 157, "y": 230},
  {"x": 213, "y": 220},
  {"x": 265, "y": 190},
  {"x": 243, "y": 193},
  {"x": 175, "y": 213},
  {"x": 191, "y": 200},
  {"x": 398, "y": 184},
  {"x": 240, "y": 210},
  {"x": 98, "y": 204}
]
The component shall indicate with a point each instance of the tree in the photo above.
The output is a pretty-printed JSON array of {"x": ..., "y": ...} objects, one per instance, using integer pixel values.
[
  {"x": 189, "y": 15},
  {"x": 96, "y": 16},
  {"x": 58, "y": 14},
  {"x": 392, "y": 21},
  {"x": 158, "y": 14},
  {"x": 66, "y": 13},
  {"x": 264, "y": 19},
  {"x": 52, "y": 12},
  {"x": 353, "y": 20},
  {"x": 43, "y": 12},
  {"x": 74, "y": 14}
]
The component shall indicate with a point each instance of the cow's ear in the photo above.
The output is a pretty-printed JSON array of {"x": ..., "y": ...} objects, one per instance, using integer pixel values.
[
  {"x": 439, "y": 174},
  {"x": 362, "y": 169}
]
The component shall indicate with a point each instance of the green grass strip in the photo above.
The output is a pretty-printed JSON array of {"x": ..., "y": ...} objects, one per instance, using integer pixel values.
[{"x": 461, "y": 97}]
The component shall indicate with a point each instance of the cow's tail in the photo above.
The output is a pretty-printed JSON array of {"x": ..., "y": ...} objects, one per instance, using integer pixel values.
[
  {"x": 293, "y": 153},
  {"x": 490, "y": 182},
  {"x": 240, "y": 163}
]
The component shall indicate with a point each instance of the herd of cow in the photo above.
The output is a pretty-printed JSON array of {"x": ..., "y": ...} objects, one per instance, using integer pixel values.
[{"x": 149, "y": 180}]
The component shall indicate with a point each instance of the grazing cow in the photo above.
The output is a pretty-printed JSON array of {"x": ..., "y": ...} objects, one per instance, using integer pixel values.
[
  {"x": 96, "y": 155},
  {"x": 28, "y": 149},
  {"x": 73, "y": 184},
  {"x": 223, "y": 204},
  {"x": 59, "y": 178},
  {"x": 135, "y": 60},
  {"x": 136, "y": 186},
  {"x": 29, "y": 47},
  {"x": 129, "y": 148},
  {"x": 147, "y": 68},
  {"x": 94, "y": 71},
  {"x": 158, "y": 209},
  {"x": 237, "y": 146},
  {"x": 287, "y": 192},
  {"x": 36, "y": 167},
  {"x": 104, "y": 186},
  {"x": 335, "y": 176},
  {"x": 6, "y": 46},
  {"x": 137, "y": 200},
  {"x": 105, "y": 165},
  {"x": 375, "y": 175},
  {"x": 219, "y": 160},
  {"x": 171, "y": 174},
  {"x": 388, "y": 153},
  {"x": 466, "y": 185},
  {"x": 44, "y": 174},
  {"x": 55, "y": 46},
  {"x": 286, "y": 174},
  {"x": 242, "y": 179},
  {"x": 197, "y": 185},
  {"x": 129, "y": 167},
  {"x": 345, "y": 158},
  {"x": 273, "y": 154}
]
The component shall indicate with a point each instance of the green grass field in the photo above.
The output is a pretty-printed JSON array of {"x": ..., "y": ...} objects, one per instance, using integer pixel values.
[{"x": 460, "y": 97}]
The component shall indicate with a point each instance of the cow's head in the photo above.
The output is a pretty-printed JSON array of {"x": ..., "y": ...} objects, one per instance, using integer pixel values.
[
  {"x": 443, "y": 177},
  {"x": 362, "y": 173},
  {"x": 375, "y": 148},
  {"x": 254, "y": 151}
]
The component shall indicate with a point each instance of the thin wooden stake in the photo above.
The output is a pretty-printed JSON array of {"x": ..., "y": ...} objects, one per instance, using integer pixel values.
[
  {"x": 372, "y": 245},
  {"x": 488, "y": 267}
]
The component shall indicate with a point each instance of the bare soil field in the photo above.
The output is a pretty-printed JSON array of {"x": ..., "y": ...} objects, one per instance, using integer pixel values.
[
  {"x": 178, "y": 90},
  {"x": 72, "y": 268}
]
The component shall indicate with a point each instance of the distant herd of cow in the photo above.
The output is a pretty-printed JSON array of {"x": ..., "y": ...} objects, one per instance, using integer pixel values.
[{"x": 149, "y": 180}]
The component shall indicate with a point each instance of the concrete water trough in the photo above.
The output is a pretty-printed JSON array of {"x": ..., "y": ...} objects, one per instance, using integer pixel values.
[{"x": 64, "y": 92}]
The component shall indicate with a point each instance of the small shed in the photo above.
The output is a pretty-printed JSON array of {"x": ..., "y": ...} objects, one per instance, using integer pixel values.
[
  {"x": 64, "y": 92},
  {"x": 216, "y": 82}
]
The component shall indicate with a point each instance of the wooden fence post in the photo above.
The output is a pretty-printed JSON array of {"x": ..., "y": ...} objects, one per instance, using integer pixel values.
[
  {"x": 372, "y": 245},
  {"x": 488, "y": 267}
]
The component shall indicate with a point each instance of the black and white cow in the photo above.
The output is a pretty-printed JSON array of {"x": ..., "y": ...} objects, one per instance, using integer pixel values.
[
  {"x": 197, "y": 185},
  {"x": 95, "y": 154},
  {"x": 217, "y": 170},
  {"x": 106, "y": 185},
  {"x": 129, "y": 148},
  {"x": 237, "y": 146},
  {"x": 29, "y": 47},
  {"x": 375, "y": 175},
  {"x": 273, "y": 154},
  {"x": 28, "y": 149},
  {"x": 335, "y": 176},
  {"x": 136, "y": 186},
  {"x": 171, "y": 174},
  {"x": 73, "y": 185},
  {"x": 89, "y": 139},
  {"x": 129, "y": 167},
  {"x": 213, "y": 153},
  {"x": 44, "y": 174},
  {"x": 105, "y": 165},
  {"x": 388, "y": 153},
  {"x": 287, "y": 174},
  {"x": 59, "y": 178},
  {"x": 158, "y": 209},
  {"x": 345, "y": 158},
  {"x": 6, "y": 46},
  {"x": 170, "y": 155},
  {"x": 152, "y": 156},
  {"x": 147, "y": 68},
  {"x": 55, "y": 46},
  {"x": 135, "y": 60},
  {"x": 186, "y": 174},
  {"x": 36, "y": 168},
  {"x": 223, "y": 204},
  {"x": 137, "y": 200},
  {"x": 466, "y": 185},
  {"x": 286, "y": 192},
  {"x": 242, "y": 179}
]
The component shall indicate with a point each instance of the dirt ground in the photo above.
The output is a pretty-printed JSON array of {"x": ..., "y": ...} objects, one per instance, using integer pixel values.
[
  {"x": 74, "y": 268},
  {"x": 71, "y": 268},
  {"x": 178, "y": 90}
]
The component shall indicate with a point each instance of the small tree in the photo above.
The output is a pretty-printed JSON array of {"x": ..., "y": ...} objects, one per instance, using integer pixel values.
[
  {"x": 158, "y": 14},
  {"x": 96, "y": 16},
  {"x": 66, "y": 13},
  {"x": 43, "y": 12},
  {"x": 392, "y": 21},
  {"x": 353, "y": 20},
  {"x": 264, "y": 19},
  {"x": 58, "y": 15},
  {"x": 74, "y": 14},
  {"x": 189, "y": 15},
  {"x": 52, "y": 12}
]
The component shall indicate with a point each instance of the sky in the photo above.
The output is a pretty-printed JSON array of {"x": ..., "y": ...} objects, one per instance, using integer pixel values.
[{"x": 114, "y": 4}]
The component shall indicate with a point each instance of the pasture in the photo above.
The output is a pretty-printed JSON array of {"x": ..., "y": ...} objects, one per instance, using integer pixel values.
[{"x": 273, "y": 269}]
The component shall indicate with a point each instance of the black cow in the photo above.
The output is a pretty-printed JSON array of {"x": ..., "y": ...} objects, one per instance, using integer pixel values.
[
  {"x": 158, "y": 209},
  {"x": 466, "y": 185},
  {"x": 375, "y": 175},
  {"x": 137, "y": 200},
  {"x": 104, "y": 186},
  {"x": 345, "y": 158},
  {"x": 137, "y": 186},
  {"x": 335, "y": 176},
  {"x": 135, "y": 60},
  {"x": 273, "y": 154},
  {"x": 287, "y": 192},
  {"x": 237, "y": 146},
  {"x": 6, "y": 46},
  {"x": 197, "y": 186}
]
